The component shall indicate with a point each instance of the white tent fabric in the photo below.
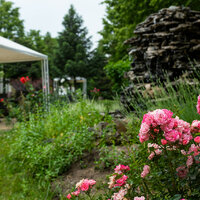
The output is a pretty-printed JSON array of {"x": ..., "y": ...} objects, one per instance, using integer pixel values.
[{"x": 11, "y": 52}]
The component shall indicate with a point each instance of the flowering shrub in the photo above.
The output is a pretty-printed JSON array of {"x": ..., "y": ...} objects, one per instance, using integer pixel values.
[{"x": 172, "y": 165}]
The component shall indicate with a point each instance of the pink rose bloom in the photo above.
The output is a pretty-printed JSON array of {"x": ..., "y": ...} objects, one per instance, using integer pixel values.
[
  {"x": 182, "y": 171},
  {"x": 181, "y": 125},
  {"x": 148, "y": 119},
  {"x": 120, "y": 195},
  {"x": 151, "y": 156},
  {"x": 189, "y": 161},
  {"x": 183, "y": 152},
  {"x": 195, "y": 126},
  {"x": 121, "y": 181},
  {"x": 194, "y": 149},
  {"x": 111, "y": 182},
  {"x": 163, "y": 141},
  {"x": 158, "y": 152},
  {"x": 85, "y": 186},
  {"x": 144, "y": 132},
  {"x": 139, "y": 198},
  {"x": 168, "y": 126},
  {"x": 120, "y": 168},
  {"x": 76, "y": 193},
  {"x": 198, "y": 105},
  {"x": 91, "y": 182},
  {"x": 69, "y": 196},
  {"x": 160, "y": 117},
  {"x": 145, "y": 172},
  {"x": 197, "y": 139},
  {"x": 78, "y": 185},
  {"x": 172, "y": 136}
]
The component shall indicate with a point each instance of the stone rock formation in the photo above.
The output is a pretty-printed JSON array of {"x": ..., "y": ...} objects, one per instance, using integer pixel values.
[{"x": 166, "y": 43}]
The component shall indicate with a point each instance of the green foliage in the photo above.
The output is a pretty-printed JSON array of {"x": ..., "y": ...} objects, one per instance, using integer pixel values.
[
  {"x": 73, "y": 45},
  {"x": 47, "y": 145},
  {"x": 109, "y": 157},
  {"x": 11, "y": 25},
  {"x": 115, "y": 71},
  {"x": 96, "y": 77}
]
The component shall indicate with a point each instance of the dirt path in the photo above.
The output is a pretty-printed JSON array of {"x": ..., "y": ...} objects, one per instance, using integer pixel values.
[{"x": 77, "y": 172}]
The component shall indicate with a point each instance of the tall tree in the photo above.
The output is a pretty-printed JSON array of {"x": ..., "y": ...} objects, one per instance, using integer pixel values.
[
  {"x": 11, "y": 26},
  {"x": 73, "y": 46}
]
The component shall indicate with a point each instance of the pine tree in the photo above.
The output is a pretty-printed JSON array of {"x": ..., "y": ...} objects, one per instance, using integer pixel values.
[{"x": 73, "y": 46}]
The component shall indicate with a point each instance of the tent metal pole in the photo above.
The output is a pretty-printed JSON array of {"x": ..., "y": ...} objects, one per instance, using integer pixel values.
[{"x": 45, "y": 83}]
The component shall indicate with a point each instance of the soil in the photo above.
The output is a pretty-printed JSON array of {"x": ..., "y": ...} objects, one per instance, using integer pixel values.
[{"x": 81, "y": 170}]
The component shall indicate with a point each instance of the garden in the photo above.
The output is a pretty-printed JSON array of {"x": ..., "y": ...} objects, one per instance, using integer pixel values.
[
  {"x": 134, "y": 136},
  {"x": 115, "y": 154}
]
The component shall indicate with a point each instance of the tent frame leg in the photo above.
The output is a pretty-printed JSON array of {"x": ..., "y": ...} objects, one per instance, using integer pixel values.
[{"x": 45, "y": 83}]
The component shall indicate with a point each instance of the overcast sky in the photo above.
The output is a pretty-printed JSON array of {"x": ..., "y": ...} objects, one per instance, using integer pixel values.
[{"x": 47, "y": 15}]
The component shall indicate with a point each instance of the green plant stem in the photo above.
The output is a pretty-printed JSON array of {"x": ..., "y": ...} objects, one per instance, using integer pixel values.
[
  {"x": 171, "y": 170},
  {"x": 147, "y": 188}
]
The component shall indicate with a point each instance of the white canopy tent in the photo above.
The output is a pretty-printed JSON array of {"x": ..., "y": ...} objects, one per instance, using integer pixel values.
[{"x": 11, "y": 52}]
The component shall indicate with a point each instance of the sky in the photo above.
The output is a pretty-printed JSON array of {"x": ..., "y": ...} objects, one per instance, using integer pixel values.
[{"x": 47, "y": 15}]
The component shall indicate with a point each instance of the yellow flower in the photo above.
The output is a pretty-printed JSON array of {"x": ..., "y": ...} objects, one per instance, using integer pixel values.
[{"x": 82, "y": 118}]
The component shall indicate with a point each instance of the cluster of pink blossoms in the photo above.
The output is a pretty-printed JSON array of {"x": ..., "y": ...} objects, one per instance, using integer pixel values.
[
  {"x": 194, "y": 150},
  {"x": 83, "y": 185},
  {"x": 118, "y": 179},
  {"x": 159, "y": 123}
]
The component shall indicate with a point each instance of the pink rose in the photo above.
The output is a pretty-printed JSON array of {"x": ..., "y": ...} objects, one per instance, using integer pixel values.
[
  {"x": 183, "y": 152},
  {"x": 145, "y": 172},
  {"x": 198, "y": 105},
  {"x": 151, "y": 156},
  {"x": 119, "y": 195},
  {"x": 195, "y": 126},
  {"x": 189, "y": 161},
  {"x": 163, "y": 141},
  {"x": 197, "y": 139},
  {"x": 172, "y": 136},
  {"x": 121, "y": 181},
  {"x": 120, "y": 168},
  {"x": 85, "y": 186},
  {"x": 76, "y": 193},
  {"x": 139, "y": 198},
  {"x": 69, "y": 196},
  {"x": 111, "y": 182}
]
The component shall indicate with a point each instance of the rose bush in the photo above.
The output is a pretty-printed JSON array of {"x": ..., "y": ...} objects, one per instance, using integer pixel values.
[{"x": 168, "y": 167}]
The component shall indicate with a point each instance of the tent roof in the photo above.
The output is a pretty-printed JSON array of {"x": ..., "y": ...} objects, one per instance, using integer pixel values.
[{"x": 13, "y": 52}]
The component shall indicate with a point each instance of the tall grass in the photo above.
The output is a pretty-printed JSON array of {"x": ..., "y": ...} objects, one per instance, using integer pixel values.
[{"x": 180, "y": 98}]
